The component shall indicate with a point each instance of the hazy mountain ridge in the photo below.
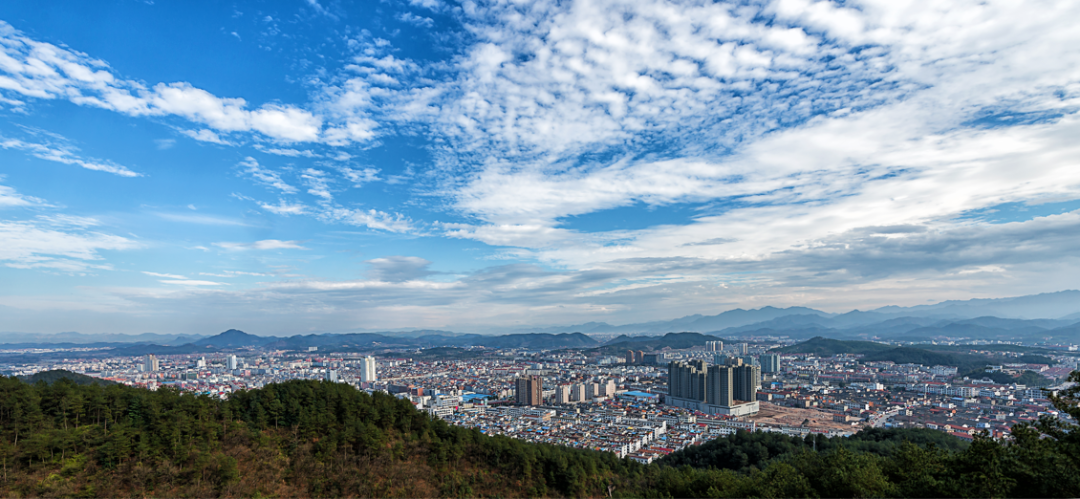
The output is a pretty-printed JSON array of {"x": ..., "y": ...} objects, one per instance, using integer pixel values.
[
  {"x": 12, "y": 338},
  {"x": 922, "y": 322},
  {"x": 1057, "y": 305}
]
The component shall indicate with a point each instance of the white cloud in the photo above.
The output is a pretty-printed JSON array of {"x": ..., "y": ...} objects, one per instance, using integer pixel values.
[
  {"x": 205, "y": 135},
  {"x": 44, "y": 71},
  {"x": 265, "y": 176},
  {"x": 202, "y": 219},
  {"x": 235, "y": 273},
  {"x": 399, "y": 268},
  {"x": 370, "y": 218},
  {"x": 266, "y": 244},
  {"x": 163, "y": 144},
  {"x": 314, "y": 4},
  {"x": 409, "y": 17},
  {"x": 553, "y": 84},
  {"x": 192, "y": 282},
  {"x": 360, "y": 177},
  {"x": 9, "y": 198},
  {"x": 61, "y": 152},
  {"x": 284, "y": 208},
  {"x": 318, "y": 184},
  {"x": 292, "y": 153},
  {"x": 57, "y": 243},
  {"x": 167, "y": 276},
  {"x": 427, "y": 4}
]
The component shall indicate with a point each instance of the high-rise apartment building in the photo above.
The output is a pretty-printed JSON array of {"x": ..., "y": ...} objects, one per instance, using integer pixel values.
[
  {"x": 749, "y": 360},
  {"x": 744, "y": 349},
  {"x": 714, "y": 346},
  {"x": 746, "y": 383},
  {"x": 770, "y": 363},
  {"x": 231, "y": 363},
  {"x": 687, "y": 379},
  {"x": 631, "y": 357},
  {"x": 577, "y": 392},
  {"x": 530, "y": 391},
  {"x": 367, "y": 370},
  {"x": 608, "y": 389},
  {"x": 730, "y": 388},
  {"x": 562, "y": 394},
  {"x": 150, "y": 363},
  {"x": 720, "y": 390},
  {"x": 592, "y": 390}
]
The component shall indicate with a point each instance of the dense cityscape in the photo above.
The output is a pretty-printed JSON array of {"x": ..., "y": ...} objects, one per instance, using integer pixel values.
[{"x": 639, "y": 405}]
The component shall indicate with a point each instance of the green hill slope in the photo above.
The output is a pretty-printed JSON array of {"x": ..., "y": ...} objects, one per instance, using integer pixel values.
[
  {"x": 320, "y": 439},
  {"x": 50, "y": 377},
  {"x": 827, "y": 347}
]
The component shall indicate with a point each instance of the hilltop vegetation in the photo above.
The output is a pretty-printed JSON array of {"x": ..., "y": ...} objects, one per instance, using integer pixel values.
[
  {"x": 651, "y": 343},
  {"x": 745, "y": 451},
  {"x": 320, "y": 439},
  {"x": 50, "y": 377},
  {"x": 927, "y": 355},
  {"x": 827, "y": 347},
  {"x": 1027, "y": 378}
]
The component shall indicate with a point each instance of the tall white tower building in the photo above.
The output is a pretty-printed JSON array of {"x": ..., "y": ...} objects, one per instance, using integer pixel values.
[
  {"x": 150, "y": 363},
  {"x": 367, "y": 371},
  {"x": 231, "y": 363}
]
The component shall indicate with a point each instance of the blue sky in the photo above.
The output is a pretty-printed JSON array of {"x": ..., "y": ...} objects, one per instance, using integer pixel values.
[{"x": 311, "y": 165}]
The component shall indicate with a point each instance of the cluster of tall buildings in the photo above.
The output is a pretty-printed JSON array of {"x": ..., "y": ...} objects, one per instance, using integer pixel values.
[
  {"x": 635, "y": 357},
  {"x": 583, "y": 392},
  {"x": 729, "y": 388},
  {"x": 529, "y": 391},
  {"x": 714, "y": 346},
  {"x": 367, "y": 370},
  {"x": 151, "y": 363},
  {"x": 770, "y": 363}
]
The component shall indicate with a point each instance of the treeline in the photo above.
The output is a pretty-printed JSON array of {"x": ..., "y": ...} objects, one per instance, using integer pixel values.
[
  {"x": 294, "y": 439},
  {"x": 50, "y": 377},
  {"x": 745, "y": 452},
  {"x": 1027, "y": 378},
  {"x": 319, "y": 439},
  {"x": 889, "y": 463}
]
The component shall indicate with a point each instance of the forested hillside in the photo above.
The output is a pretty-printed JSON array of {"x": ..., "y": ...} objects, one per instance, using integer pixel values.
[
  {"x": 50, "y": 377},
  {"x": 304, "y": 438}
]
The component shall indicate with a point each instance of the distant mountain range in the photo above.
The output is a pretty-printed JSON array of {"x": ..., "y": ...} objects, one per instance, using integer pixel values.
[
  {"x": 692, "y": 323},
  {"x": 103, "y": 338},
  {"x": 1046, "y": 317},
  {"x": 1049, "y": 310}
]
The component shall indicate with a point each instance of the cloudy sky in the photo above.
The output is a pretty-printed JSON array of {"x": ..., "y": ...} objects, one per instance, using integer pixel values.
[{"x": 314, "y": 165}]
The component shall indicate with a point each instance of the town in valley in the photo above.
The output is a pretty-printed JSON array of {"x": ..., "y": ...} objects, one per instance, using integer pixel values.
[{"x": 639, "y": 404}]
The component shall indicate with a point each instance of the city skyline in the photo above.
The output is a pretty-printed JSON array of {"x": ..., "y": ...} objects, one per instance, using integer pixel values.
[{"x": 311, "y": 166}]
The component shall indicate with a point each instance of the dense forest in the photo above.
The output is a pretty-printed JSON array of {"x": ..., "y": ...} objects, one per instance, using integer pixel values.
[
  {"x": 50, "y": 377},
  {"x": 306, "y": 438}
]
